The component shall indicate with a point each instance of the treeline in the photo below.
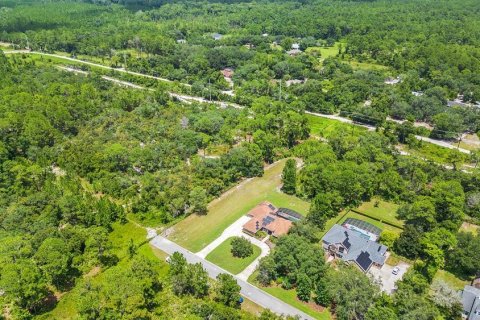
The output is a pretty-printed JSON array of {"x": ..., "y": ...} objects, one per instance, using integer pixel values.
[
  {"x": 348, "y": 170},
  {"x": 78, "y": 154},
  {"x": 432, "y": 59}
]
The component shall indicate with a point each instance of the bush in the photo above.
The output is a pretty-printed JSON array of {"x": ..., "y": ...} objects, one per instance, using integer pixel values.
[
  {"x": 241, "y": 247},
  {"x": 388, "y": 238}
]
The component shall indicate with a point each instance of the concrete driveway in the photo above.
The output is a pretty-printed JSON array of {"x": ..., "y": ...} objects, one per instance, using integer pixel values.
[
  {"x": 386, "y": 278},
  {"x": 235, "y": 230},
  {"x": 249, "y": 291}
]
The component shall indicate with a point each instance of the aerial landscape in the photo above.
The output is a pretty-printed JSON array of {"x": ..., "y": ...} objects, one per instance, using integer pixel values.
[{"x": 240, "y": 159}]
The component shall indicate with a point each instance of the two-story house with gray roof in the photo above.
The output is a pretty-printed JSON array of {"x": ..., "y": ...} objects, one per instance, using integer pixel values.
[
  {"x": 471, "y": 303},
  {"x": 353, "y": 246}
]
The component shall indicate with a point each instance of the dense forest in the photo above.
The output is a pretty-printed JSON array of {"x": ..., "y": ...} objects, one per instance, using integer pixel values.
[
  {"x": 82, "y": 157},
  {"x": 435, "y": 55}
]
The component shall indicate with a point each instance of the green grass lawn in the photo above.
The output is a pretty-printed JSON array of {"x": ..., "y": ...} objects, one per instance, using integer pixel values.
[
  {"x": 290, "y": 297},
  {"x": 324, "y": 127},
  {"x": 450, "y": 279},
  {"x": 195, "y": 232},
  {"x": 380, "y": 209},
  {"x": 325, "y": 52},
  {"x": 223, "y": 258}
]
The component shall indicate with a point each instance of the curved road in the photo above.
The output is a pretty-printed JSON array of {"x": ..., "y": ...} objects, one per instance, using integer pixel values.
[{"x": 249, "y": 291}]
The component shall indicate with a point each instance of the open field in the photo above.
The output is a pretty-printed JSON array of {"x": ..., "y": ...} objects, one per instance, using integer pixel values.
[
  {"x": 290, "y": 297},
  {"x": 325, "y": 128},
  {"x": 325, "y": 52},
  {"x": 222, "y": 257},
  {"x": 450, "y": 279},
  {"x": 382, "y": 210},
  {"x": 195, "y": 232}
]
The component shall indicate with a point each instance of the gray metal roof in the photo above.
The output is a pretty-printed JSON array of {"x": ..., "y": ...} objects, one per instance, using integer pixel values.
[
  {"x": 471, "y": 302},
  {"x": 289, "y": 213},
  {"x": 364, "y": 225},
  {"x": 358, "y": 244}
]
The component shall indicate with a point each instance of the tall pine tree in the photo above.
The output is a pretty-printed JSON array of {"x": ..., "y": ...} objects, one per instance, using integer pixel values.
[{"x": 289, "y": 177}]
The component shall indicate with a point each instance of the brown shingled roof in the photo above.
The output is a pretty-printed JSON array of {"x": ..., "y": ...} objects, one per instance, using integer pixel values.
[{"x": 263, "y": 217}]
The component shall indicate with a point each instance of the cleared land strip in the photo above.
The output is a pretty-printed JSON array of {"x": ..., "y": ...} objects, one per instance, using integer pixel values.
[
  {"x": 223, "y": 103},
  {"x": 247, "y": 290},
  {"x": 53, "y": 55},
  {"x": 440, "y": 143}
]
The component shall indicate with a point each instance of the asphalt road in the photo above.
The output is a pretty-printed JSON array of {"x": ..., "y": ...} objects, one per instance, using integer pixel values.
[
  {"x": 440, "y": 143},
  {"x": 247, "y": 290},
  {"x": 222, "y": 103}
]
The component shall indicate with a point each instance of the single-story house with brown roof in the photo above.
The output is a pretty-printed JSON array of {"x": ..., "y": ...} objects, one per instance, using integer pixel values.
[{"x": 266, "y": 217}]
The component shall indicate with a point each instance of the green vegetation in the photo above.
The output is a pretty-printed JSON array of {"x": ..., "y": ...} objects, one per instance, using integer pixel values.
[
  {"x": 381, "y": 210},
  {"x": 83, "y": 161},
  {"x": 438, "y": 154},
  {"x": 195, "y": 231},
  {"x": 290, "y": 297},
  {"x": 325, "y": 52},
  {"x": 223, "y": 257},
  {"x": 326, "y": 128},
  {"x": 449, "y": 278},
  {"x": 120, "y": 239},
  {"x": 469, "y": 227}
]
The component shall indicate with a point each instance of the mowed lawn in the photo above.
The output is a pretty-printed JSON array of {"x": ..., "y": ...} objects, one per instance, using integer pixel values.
[
  {"x": 223, "y": 258},
  {"x": 324, "y": 127},
  {"x": 450, "y": 279},
  {"x": 382, "y": 210},
  {"x": 195, "y": 232},
  {"x": 290, "y": 297}
]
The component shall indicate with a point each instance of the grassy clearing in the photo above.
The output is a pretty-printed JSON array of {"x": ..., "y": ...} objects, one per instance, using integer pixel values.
[
  {"x": 382, "y": 210},
  {"x": 326, "y": 128},
  {"x": 469, "y": 227},
  {"x": 325, "y": 52},
  {"x": 366, "y": 66},
  {"x": 251, "y": 307},
  {"x": 450, "y": 279},
  {"x": 290, "y": 297},
  {"x": 432, "y": 152},
  {"x": 120, "y": 239},
  {"x": 195, "y": 232},
  {"x": 223, "y": 258}
]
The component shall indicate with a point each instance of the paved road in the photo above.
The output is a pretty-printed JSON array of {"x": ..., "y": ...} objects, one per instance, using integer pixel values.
[
  {"x": 440, "y": 143},
  {"x": 247, "y": 290},
  {"x": 223, "y": 103},
  {"x": 182, "y": 97}
]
